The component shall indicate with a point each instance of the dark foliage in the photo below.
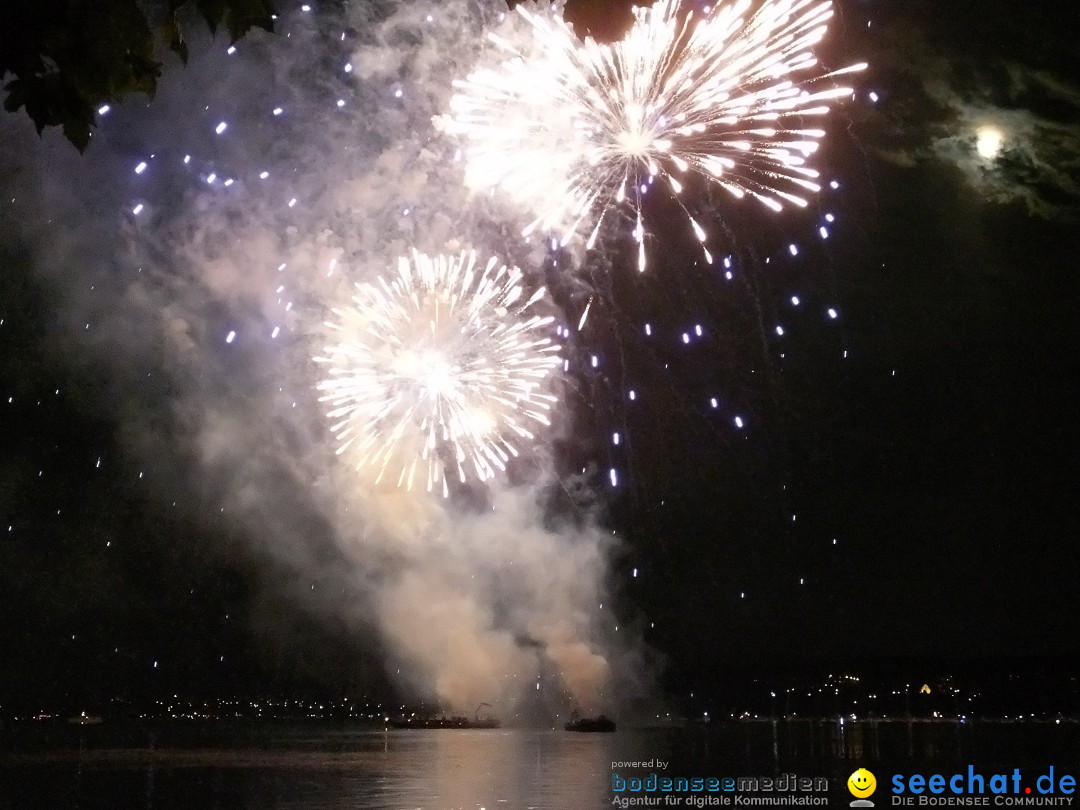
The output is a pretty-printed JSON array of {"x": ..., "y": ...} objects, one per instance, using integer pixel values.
[{"x": 69, "y": 57}]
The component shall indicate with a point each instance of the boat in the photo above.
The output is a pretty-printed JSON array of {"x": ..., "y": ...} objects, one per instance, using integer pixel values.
[
  {"x": 441, "y": 721},
  {"x": 84, "y": 719},
  {"x": 599, "y": 724},
  {"x": 454, "y": 721}
]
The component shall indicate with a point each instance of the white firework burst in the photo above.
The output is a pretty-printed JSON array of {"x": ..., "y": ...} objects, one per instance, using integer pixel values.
[
  {"x": 571, "y": 129},
  {"x": 439, "y": 369}
]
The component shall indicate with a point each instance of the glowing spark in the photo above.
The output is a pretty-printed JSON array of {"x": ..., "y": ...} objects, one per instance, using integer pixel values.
[
  {"x": 585, "y": 314},
  {"x": 439, "y": 370},
  {"x": 582, "y": 128}
]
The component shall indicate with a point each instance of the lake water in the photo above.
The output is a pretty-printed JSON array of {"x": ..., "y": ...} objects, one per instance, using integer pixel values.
[{"x": 319, "y": 768}]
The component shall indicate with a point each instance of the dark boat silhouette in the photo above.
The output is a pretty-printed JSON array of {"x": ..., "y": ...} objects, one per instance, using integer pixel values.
[
  {"x": 600, "y": 723},
  {"x": 84, "y": 719},
  {"x": 454, "y": 721}
]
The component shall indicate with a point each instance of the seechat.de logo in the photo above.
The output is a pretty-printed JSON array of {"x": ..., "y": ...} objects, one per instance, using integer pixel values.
[{"x": 862, "y": 785}]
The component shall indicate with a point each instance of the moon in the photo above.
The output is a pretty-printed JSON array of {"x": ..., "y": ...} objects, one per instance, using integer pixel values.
[{"x": 988, "y": 142}]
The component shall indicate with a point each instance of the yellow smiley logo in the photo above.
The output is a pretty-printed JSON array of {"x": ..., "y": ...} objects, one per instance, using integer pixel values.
[{"x": 862, "y": 783}]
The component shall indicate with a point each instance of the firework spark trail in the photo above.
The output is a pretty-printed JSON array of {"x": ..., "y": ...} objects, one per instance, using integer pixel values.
[
  {"x": 577, "y": 128},
  {"x": 441, "y": 367},
  {"x": 208, "y": 256}
]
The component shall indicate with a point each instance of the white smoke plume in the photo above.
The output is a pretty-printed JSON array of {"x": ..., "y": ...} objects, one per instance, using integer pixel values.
[{"x": 197, "y": 288}]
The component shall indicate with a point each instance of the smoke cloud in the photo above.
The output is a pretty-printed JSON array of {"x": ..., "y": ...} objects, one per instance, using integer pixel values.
[{"x": 198, "y": 287}]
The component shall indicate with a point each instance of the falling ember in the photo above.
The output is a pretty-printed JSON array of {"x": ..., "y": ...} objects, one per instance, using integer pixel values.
[
  {"x": 439, "y": 369},
  {"x": 583, "y": 128},
  {"x": 585, "y": 314}
]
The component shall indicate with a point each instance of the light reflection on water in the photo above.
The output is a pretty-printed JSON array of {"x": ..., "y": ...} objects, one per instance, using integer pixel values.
[
  {"x": 307, "y": 769},
  {"x": 402, "y": 770}
]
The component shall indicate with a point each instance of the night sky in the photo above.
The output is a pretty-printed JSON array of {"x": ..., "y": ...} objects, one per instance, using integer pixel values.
[{"x": 903, "y": 484}]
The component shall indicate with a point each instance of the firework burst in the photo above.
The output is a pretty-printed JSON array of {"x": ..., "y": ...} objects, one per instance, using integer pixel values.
[
  {"x": 438, "y": 370},
  {"x": 572, "y": 129}
]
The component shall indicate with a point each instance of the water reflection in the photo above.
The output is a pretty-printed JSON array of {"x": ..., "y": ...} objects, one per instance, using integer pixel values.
[
  {"x": 437, "y": 769},
  {"x": 306, "y": 769}
]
